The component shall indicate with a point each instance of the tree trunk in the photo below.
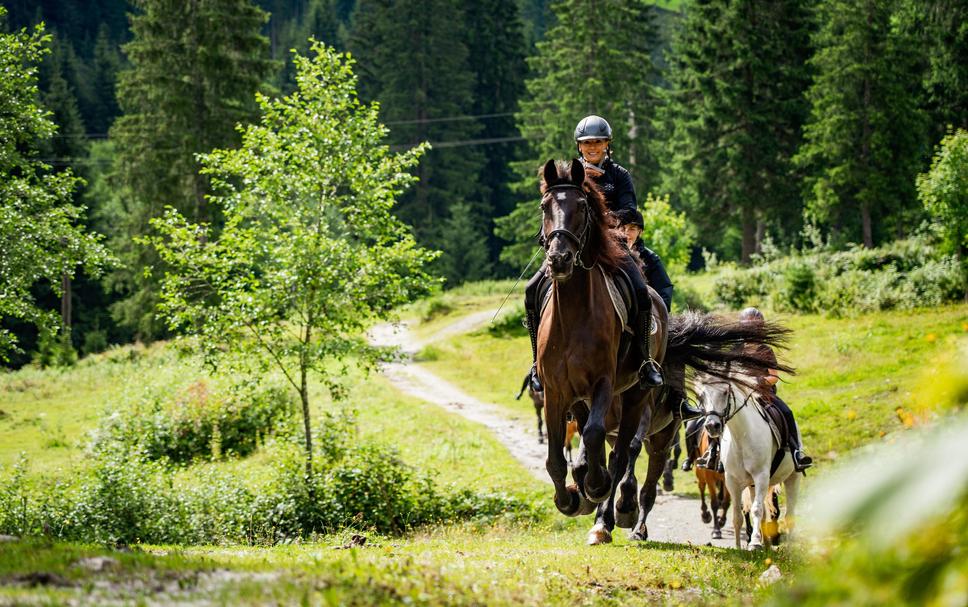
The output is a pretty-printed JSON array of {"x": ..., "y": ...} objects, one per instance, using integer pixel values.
[
  {"x": 66, "y": 302},
  {"x": 865, "y": 219},
  {"x": 304, "y": 396},
  {"x": 749, "y": 235}
]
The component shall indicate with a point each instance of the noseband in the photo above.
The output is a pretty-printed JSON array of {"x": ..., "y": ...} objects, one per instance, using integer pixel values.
[{"x": 579, "y": 240}]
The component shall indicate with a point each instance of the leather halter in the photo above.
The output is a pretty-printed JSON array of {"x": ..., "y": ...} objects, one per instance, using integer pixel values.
[{"x": 579, "y": 240}]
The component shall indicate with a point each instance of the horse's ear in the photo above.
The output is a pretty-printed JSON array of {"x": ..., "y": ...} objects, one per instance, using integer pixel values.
[
  {"x": 577, "y": 172},
  {"x": 550, "y": 173}
]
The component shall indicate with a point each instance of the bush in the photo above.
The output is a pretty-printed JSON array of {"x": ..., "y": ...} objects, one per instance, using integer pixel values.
[
  {"x": 201, "y": 422},
  {"x": 686, "y": 298},
  {"x": 904, "y": 274},
  {"x": 510, "y": 324},
  {"x": 127, "y": 497},
  {"x": 798, "y": 291}
]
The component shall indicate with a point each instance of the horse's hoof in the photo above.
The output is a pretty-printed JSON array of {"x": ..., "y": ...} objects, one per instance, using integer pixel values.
[
  {"x": 640, "y": 535},
  {"x": 599, "y": 494},
  {"x": 573, "y": 505},
  {"x": 599, "y": 535},
  {"x": 706, "y": 517},
  {"x": 754, "y": 547},
  {"x": 668, "y": 486},
  {"x": 717, "y": 534},
  {"x": 626, "y": 520},
  {"x": 587, "y": 507}
]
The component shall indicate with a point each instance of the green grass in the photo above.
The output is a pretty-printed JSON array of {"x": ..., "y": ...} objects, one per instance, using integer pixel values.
[
  {"x": 853, "y": 373},
  {"x": 462, "y": 565}
]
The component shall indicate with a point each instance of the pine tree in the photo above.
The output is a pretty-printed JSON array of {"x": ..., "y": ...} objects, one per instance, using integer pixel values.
[
  {"x": 195, "y": 68},
  {"x": 732, "y": 117},
  {"x": 596, "y": 59},
  {"x": 943, "y": 30},
  {"x": 414, "y": 61},
  {"x": 106, "y": 64},
  {"x": 496, "y": 51},
  {"x": 864, "y": 139}
]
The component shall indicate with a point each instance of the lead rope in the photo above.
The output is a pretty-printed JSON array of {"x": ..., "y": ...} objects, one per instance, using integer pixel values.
[{"x": 508, "y": 296}]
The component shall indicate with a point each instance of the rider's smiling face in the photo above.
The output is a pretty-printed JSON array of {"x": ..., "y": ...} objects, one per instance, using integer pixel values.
[{"x": 593, "y": 150}]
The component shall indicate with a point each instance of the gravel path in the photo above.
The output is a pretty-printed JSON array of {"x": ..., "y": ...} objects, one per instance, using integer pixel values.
[{"x": 673, "y": 519}]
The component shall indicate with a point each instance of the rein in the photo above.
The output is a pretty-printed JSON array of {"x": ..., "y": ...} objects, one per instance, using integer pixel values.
[
  {"x": 728, "y": 414},
  {"x": 579, "y": 240}
]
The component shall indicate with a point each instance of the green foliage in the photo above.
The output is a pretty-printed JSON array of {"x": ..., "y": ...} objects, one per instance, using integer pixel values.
[
  {"x": 864, "y": 140},
  {"x": 40, "y": 237},
  {"x": 127, "y": 497},
  {"x": 944, "y": 193},
  {"x": 464, "y": 239},
  {"x": 202, "y": 421},
  {"x": 596, "y": 63},
  {"x": 732, "y": 117},
  {"x": 906, "y": 274},
  {"x": 194, "y": 70},
  {"x": 893, "y": 524},
  {"x": 413, "y": 59},
  {"x": 666, "y": 231},
  {"x": 310, "y": 252}
]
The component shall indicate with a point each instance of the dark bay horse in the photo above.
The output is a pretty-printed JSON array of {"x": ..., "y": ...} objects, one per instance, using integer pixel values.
[{"x": 587, "y": 371}]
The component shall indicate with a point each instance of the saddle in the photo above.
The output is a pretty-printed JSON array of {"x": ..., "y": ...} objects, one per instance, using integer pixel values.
[
  {"x": 778, "y": 426},
  {"x": 620, "y": 292}
]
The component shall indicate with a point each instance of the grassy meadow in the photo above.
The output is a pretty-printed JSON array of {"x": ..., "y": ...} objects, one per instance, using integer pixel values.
[{"x": 853, "y": 376}]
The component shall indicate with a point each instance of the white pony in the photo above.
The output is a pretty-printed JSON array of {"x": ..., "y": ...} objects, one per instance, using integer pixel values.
[{"x": 748, "y": 447}]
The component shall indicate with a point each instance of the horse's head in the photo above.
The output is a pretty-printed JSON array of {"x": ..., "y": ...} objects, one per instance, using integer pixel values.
[
  {"x": 567, "y": 217},
  {"x": 717, "y": 401}
]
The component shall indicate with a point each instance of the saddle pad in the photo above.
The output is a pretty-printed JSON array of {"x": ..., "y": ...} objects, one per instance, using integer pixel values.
[
  {"x": 775, "y": 419},
  {"x": 620, "y": 295}
]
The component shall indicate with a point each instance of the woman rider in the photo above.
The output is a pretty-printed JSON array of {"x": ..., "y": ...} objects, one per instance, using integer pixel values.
[
  {"x": 593, "y": 136},
  {"x": 801, "y": 461}
]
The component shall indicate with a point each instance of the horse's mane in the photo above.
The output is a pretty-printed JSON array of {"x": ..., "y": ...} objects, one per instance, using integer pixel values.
[{"x": 604, "y": 240}]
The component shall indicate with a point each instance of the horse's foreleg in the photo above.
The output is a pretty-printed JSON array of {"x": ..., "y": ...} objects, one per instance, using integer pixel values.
[
  {"x": 704, "y": 511},
  {"x": 761, "y": 484},
  {"x": 601, "y": 533},
  {"x": 735, "y": 489},
  {"x": 626, "y": 503},
  {"x": 567, "y": 499},
  {"x": 723, "y": 501},
  {"x": 598, "y": 482},
  {"x": 658, "y": 449}
]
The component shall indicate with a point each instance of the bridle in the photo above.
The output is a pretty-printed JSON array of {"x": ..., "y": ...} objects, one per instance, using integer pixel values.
[
  {"x": 582, "y": 238},
  {"x": 729, "y": 413}
]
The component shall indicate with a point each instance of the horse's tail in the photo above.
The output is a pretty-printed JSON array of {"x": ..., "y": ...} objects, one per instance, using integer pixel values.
[{"x": 718, "y": 346}]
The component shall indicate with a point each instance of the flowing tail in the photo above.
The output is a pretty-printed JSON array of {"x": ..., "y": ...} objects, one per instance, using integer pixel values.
[{"x": 716, "y": 345}]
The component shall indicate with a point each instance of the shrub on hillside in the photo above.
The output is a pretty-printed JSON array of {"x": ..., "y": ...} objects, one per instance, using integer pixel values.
[
  {"x": 904, "y": 274},
  {"x": 201, "y": 421}
]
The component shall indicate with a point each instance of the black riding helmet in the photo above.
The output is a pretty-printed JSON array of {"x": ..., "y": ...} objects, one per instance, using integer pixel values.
[{"x": 593, "y": 127}]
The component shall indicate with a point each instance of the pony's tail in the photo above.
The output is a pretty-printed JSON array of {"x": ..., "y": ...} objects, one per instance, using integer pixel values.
[{"x": 719, "y": 346}]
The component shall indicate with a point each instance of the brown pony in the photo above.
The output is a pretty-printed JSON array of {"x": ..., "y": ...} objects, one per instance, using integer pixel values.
[
  {"x": 586, "y": 370},
  {"x": 716, "y": 481}
]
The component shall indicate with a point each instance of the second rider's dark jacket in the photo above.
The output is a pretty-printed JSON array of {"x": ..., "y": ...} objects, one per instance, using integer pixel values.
[{"x": 616, "y": 184}]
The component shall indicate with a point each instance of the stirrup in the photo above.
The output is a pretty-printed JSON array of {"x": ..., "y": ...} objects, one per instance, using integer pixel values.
[
  {"x": 535, "y": 382},
  {"x": 650, "y": 374},
  {"x": 801, "y": 461},
  {"x": 703, "y": 460}
]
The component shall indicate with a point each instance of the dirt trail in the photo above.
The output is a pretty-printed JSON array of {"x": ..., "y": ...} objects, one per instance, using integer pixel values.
[{"x": 673, "y": 519}]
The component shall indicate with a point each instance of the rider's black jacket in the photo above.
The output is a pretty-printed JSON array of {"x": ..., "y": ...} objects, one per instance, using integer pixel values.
[{"x": 616, "y": 184}]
